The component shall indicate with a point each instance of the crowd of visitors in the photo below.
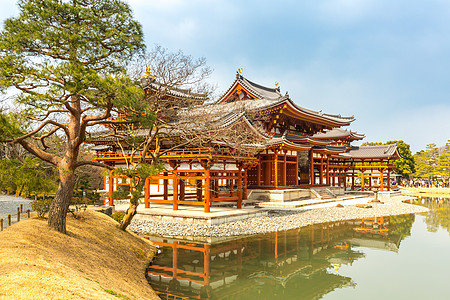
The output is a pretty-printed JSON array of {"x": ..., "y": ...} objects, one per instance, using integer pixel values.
[{"x": 425, "y": 183}]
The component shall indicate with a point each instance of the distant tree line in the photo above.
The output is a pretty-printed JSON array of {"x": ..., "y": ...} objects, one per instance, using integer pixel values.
[{"x": 433, "y": 163}]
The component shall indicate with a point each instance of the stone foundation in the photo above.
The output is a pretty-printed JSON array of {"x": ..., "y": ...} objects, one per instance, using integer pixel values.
[{"x": 279, "y": 195}]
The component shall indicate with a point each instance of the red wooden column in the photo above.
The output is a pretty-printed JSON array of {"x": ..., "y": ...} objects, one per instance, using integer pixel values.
[
  {"x": 362, "y": 180},
  {"x": 321, "y": 169},
  {"x": 333, "y": 177},
  {"x": 353, "y": 179},
  {"x": 239, "y": 188},
  {"x": 285, "y": 169},
  {"x": 207, "y": 207},
  {"x": 275, "y": 162},
  {"x": 244, "y": 197},
  {"x": 230, "y": 182},
  {"x": 339, "y": 173},
  {"x": 258, "y": 168},
  {"x": 328, "y": 170},
  {"x": 344, "y": 171},
  {"x": 147, "y": 193},
  {"x": 182, "y": 187},
  {"x": 296, "y": 169},
  {"x": 311, "y": 167},
  {"x": 388, "y": 178},
  {"x": 110, "y": 188},
  {"x": 166, "y": 186},
  {"x": 175, "y": 190},
  {"x": 381, "y": 180}
]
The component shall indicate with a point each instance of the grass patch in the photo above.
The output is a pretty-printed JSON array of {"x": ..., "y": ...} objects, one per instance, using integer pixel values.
[{"x": 116, "y": 294}]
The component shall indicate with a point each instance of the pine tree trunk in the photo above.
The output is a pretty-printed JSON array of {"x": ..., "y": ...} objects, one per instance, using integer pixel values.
[
  {"x": 60, "y": 205},
  {"x": 131, "y": 212}
]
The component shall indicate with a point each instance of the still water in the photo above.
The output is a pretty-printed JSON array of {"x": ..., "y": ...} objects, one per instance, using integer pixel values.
[
  {"x": 397, "y": 257},
  {"x": 9, "y": 204}
]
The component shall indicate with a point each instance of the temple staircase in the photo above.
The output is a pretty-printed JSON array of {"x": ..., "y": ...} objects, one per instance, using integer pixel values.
[{"x": 322, "y": 193}]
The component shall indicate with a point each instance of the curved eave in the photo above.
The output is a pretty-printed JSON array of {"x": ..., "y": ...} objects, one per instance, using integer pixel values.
[
  {"x": 289, "y": 108},
  {"x": 304, "y": 140},
  {"x": 357, "y": 136},
  {"x": 330, "y": 150},
  {"x": 287, "y": 145},
  {"x": 351, "y": 137}
]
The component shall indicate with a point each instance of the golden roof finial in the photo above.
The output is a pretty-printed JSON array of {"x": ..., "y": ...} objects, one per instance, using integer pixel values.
[
  {"x": 240, "y": 71},
  {"x": 276, "y": 83},
  {"x": 148, "y": 74}
]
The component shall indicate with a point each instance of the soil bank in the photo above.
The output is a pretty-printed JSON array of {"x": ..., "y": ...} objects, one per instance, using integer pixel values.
[{"x": 95, "y": 260}]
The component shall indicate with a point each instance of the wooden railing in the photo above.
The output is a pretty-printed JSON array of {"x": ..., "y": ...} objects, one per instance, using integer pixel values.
[
  {"x": 189, "y": 152},
  {"x": 18, "y": 215}
]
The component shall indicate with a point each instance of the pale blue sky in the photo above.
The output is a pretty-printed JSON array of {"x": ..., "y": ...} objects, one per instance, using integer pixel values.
[{"x": 386, "y": 62}]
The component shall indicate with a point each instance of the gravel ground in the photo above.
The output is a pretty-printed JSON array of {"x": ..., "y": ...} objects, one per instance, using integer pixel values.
[{"x": 278, "y": 220}]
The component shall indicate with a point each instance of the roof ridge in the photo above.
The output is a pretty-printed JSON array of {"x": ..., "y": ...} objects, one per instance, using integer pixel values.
[{"x": 274, "y": 90}]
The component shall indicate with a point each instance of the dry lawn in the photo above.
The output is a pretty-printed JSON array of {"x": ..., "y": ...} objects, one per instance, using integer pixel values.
[
  {"x": 427, "y": 192},
  {"x": 95, "y": 260}
]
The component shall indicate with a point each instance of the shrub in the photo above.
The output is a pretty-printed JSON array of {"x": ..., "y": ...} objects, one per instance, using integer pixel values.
[
  {"x": 41, "y": 206},
  {"x": 118, "y": 216}
]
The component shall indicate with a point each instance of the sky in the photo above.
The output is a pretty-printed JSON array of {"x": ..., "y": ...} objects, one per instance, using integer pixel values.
[{"x": 385, "y": 62}]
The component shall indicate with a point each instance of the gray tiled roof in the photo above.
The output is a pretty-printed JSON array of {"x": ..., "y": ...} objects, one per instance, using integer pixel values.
[
  {"x": 336, "y": 133},
  {"x": 172, "y": 91},
  {"x": 260, "y": 91},
  {"x": 382, "y": 151}
]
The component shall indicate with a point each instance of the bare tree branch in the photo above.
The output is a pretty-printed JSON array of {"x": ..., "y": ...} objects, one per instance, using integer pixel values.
[
  {"x": 17, "y": 140},
  {"x": 33, "y": 149}
]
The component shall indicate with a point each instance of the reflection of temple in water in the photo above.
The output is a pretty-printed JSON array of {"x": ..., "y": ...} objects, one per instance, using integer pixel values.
[{"x": 291, "y": 264}]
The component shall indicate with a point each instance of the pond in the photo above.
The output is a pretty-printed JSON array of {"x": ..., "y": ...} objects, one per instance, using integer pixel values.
[
  {"x": 397, "y": 257},
  {"x": 9, "y": 204}
]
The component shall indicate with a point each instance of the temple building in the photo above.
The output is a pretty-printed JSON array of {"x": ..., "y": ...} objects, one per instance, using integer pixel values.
[{"x": 291, "y": 149}]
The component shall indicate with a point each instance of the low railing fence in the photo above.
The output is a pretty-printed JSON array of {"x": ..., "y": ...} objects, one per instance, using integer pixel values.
[{"x": 14, "y": 218}]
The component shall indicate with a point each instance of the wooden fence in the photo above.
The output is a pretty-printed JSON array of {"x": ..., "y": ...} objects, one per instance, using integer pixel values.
[{"x": 17, "y": 217}]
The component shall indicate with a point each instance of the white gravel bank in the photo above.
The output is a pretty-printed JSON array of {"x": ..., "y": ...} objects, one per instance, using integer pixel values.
[{"x": 279, "y": 220}]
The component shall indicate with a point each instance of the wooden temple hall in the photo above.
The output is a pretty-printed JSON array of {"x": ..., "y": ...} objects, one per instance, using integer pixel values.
[{"x": 290, "y": 147}]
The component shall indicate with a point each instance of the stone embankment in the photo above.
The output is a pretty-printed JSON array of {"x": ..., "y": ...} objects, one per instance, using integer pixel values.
[{"x": 279, "y": 220}]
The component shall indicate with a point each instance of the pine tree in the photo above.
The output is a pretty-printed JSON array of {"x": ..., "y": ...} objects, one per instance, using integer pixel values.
[
  {"x": 65, "y": 59},
  {"x": 444, "y": 163}
]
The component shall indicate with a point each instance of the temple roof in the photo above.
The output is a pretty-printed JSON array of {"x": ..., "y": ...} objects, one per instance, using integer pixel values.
[
  {"x": 259, "y": 91},
  {"x": 152, "y": 84},
  {"x": 263, "y": 98},
  {"x": 368, "y": 152},
  {"x": 338, "y": 133}
]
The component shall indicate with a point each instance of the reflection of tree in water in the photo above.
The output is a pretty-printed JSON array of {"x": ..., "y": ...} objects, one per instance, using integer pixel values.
[
  {"x": 439, "y": 214},
  {"x": 402, "y": 225}
]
